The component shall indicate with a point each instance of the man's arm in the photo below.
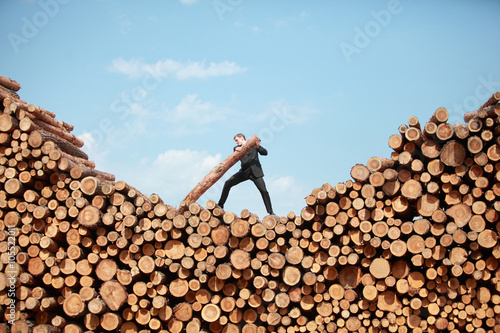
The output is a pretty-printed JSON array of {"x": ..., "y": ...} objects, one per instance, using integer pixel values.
[{"x": 262, "y": 150}]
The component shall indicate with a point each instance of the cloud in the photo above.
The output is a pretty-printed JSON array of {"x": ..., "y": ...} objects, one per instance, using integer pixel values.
[
  {"x": 188, "y": 2},
  {"x": 286, "y": 194},
  {"x": 283, "y": 184},
  {"x": 191, "y": 108},
  {"x": 191, "y": 115},
  {"x": 94, "y": 149},
  {"x": 175, "y": 172},
  {"x": 182, "y": 71}
]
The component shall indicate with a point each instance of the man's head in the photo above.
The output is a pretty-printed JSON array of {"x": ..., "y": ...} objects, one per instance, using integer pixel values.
[{"x": 239, "y": 139}]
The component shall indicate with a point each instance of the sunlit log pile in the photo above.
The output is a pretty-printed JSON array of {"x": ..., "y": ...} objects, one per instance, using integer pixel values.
[{"x": 410, "y": 244}]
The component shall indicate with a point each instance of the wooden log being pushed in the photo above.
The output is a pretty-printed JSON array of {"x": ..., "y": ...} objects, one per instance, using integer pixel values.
[{"x": 217, "y": 173}]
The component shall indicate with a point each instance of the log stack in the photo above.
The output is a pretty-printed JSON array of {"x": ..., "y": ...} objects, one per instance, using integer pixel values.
[{"x": 410, "y": 244}]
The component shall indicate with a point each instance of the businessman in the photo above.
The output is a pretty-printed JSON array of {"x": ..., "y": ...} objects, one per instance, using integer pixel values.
[{"x": 250, "y": 169}]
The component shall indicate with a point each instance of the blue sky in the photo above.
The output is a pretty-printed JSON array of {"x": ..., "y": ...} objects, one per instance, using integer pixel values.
[{"x": 157, "y": 89}]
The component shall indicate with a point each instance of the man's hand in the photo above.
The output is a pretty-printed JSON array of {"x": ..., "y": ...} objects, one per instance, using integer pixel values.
[{"x": 238, "y": 148}]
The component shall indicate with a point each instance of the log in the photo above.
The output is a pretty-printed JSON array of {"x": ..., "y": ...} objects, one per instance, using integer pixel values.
[
  {"x": 9, "y": 83},
  {"x": 411, "y": 189},
  {"x": 90, "y": 216},
  {"x": 113, "y": 294},
  {"x": 73, "y": 305},
  {"x": 58, "y": 131},
  {"x": 360, "y": 173},
  {"x": 444, "y": 132},
  {"x": 380, "y": 268},
  {"x": 210, "y": 313},
  {"x": 409, "y": 244},
  {"x": 216, "y": 173},
  {"x": 491, "y": 101},
  {"x": 439, "y": 116},
  {"x": 375, "y": 164},
  {"x": 453, "y": 154}
]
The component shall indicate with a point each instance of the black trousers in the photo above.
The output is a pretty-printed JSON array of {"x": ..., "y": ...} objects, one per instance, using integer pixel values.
[{"x": 242, "y": 176}]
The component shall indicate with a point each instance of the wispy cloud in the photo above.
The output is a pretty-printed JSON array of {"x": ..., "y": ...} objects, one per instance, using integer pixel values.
[
  {"x": 124, "y": 23},
  {"x": 188, "y": 2},
  {"x": 195, "y": 110},
  {"x": 180, "y": 70},
  {"x": 193, "y": 115},
  {"x": 176, "y": 171}
]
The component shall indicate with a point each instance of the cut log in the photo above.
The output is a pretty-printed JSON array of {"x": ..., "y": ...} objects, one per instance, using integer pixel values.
[
  {"x": 460, "y": 213},
  {"x": 396, "y": 142},
  {"x": 110, "y": 321},
  {"x": 375, "y": 164},
  {"x": 380, "y": 268},
  {"x": 114, "y": 294},
  {"x": 9, "y": 83},
  {"x": 491, "y": 101},
  {"x": 388, "y": 301},
  {"x": 90, "y": 216},
  {"x": 240, "y": 259},
  {"x": 440, "y": 116},
  {"x": 411, "y": 189},
  {"x": 444, "y": 132},
  {"x": 73, "y": 305},
  {"x": 453, "y": 154},
  {"x": 210, "y": 313},
  {"x": 291, "y": 275},
  {"x": 90, "y": 186},
  {"x": 360, "y": 173},
  {"x": 427, "y": 204}
]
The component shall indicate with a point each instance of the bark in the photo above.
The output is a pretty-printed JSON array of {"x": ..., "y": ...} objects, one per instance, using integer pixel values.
[{"x": 9, "y": 83}]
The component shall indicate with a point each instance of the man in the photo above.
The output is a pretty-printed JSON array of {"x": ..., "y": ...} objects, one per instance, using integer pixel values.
[{"x": 250, "y": 169}]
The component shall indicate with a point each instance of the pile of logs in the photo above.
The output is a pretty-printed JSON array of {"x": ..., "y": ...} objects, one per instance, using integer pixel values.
[{"x": 410, "y": 244}]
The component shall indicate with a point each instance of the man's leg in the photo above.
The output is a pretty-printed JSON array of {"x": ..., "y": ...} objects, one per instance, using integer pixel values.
[
  {"x": 261, "y": 185},
  {"x": 234, "y": 180}
]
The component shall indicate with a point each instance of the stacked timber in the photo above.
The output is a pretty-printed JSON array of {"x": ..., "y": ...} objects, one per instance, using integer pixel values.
[{"x": 410, "y": 244}]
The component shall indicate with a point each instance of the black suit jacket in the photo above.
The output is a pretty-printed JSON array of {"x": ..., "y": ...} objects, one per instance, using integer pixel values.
[{"x": 250, "y": 163}]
